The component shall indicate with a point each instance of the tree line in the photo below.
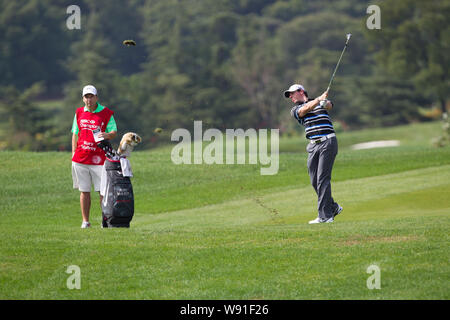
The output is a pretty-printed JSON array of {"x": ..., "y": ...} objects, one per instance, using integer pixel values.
[{"x": 225, "y": 62}]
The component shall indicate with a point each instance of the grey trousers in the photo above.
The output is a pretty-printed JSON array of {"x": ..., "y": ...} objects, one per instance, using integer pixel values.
[{"x": 320, "y": 164}]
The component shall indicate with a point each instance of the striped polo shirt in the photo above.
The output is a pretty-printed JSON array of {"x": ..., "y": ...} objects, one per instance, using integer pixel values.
[{"x": 317, "y": 122}]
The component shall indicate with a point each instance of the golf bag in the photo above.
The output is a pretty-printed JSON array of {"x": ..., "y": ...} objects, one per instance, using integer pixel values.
[
  {"x": 117, "y": 191},
  {"x": 118, "y": 199}
]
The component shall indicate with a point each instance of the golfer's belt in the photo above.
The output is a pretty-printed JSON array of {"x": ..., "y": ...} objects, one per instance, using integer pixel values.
[{"x": 328, "y": 136}]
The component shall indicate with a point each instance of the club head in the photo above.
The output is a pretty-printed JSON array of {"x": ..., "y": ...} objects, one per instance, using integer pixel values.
[{"x": 348, "y": 36}]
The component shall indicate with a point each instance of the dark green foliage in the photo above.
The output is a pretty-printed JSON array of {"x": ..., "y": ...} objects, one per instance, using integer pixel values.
[
  {"x": 33, "y": 43},
  {"x": 24, "y": 125},
  {"x": 220, "y": 61},
  {"x": 415, "y": 43}
]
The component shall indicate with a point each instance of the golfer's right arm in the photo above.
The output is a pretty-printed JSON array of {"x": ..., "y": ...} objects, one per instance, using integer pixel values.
[
  {"x": 310, "y": 105},
  {"x": 74, "y": 143}
]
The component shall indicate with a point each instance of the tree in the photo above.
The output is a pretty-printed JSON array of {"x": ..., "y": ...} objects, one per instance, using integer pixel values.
[
  {"x": 256, "y": 68},
  {"x": 186, "y": 74},
  {"x": 24, "y": 125},
  {"x": 34, "y": 43},
  {"x": 385, "y": 101},
  {"x": 413, "y": 43}
]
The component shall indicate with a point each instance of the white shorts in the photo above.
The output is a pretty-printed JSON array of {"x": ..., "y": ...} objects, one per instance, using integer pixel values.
[{"x": 84, "y": 175}]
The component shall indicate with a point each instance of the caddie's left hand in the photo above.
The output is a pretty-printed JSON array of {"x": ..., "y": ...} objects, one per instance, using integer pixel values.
[{"x": 104, "y": 135}]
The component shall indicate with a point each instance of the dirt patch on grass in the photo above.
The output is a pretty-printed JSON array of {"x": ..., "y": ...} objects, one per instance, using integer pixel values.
[
  {"x": 266, "y": 242},
  {"x": 359, "y": 240}
]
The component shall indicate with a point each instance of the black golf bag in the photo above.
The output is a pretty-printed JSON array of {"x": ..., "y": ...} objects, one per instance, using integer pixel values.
[{"x": 118, "y": 199}]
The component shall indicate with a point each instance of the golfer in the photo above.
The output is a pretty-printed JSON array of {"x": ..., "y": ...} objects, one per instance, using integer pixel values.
[
  {"x": 87, "y": 158},
  {"x": 322, "y": 149}
]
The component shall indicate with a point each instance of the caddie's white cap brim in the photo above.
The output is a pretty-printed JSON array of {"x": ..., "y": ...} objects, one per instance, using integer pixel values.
[{"x": 89, "y": 89}]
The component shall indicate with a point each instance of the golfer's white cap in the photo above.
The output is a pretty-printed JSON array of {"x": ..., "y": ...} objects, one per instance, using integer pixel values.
[
  {"x": 89, "y": 89},
  {"x": 293, "y": 88}
]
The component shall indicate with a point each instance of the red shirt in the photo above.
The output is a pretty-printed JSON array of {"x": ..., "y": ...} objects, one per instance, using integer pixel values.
[{"x": 87, "y": 151}]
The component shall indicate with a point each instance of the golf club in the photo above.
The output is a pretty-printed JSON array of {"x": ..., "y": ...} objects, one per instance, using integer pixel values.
[{"x": 337, "y": 65}]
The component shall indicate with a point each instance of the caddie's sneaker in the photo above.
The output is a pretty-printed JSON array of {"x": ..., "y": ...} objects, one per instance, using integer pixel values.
[
  {"x": 85, "y": 225},
  {"x": 337, "y": 210}
]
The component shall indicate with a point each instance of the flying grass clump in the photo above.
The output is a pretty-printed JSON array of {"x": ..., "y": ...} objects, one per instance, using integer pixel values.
[{"x": 129, "y": 43}]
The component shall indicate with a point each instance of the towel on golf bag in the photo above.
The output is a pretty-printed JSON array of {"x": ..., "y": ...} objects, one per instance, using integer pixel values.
[
  {"x": 116, "y": 189},
  {"x": 126, "y": 167}
]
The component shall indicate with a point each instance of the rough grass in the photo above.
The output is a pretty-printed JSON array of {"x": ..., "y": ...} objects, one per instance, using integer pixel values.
[{"x": 225, "y": 232}]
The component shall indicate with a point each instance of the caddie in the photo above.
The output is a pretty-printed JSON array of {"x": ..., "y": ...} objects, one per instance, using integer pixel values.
[{"x": 91, "y": 120}]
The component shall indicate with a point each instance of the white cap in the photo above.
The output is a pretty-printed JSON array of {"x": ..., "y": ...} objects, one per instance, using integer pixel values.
[
  {"x": 293, "y": 88},
  {"x": 89, "y": 89}
]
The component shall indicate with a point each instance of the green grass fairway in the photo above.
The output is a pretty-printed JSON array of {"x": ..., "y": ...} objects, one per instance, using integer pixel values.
[{"x": 226, "y": 232}]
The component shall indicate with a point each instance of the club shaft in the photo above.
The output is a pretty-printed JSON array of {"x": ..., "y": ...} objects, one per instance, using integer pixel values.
[{"x": 337, "y": 65}]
